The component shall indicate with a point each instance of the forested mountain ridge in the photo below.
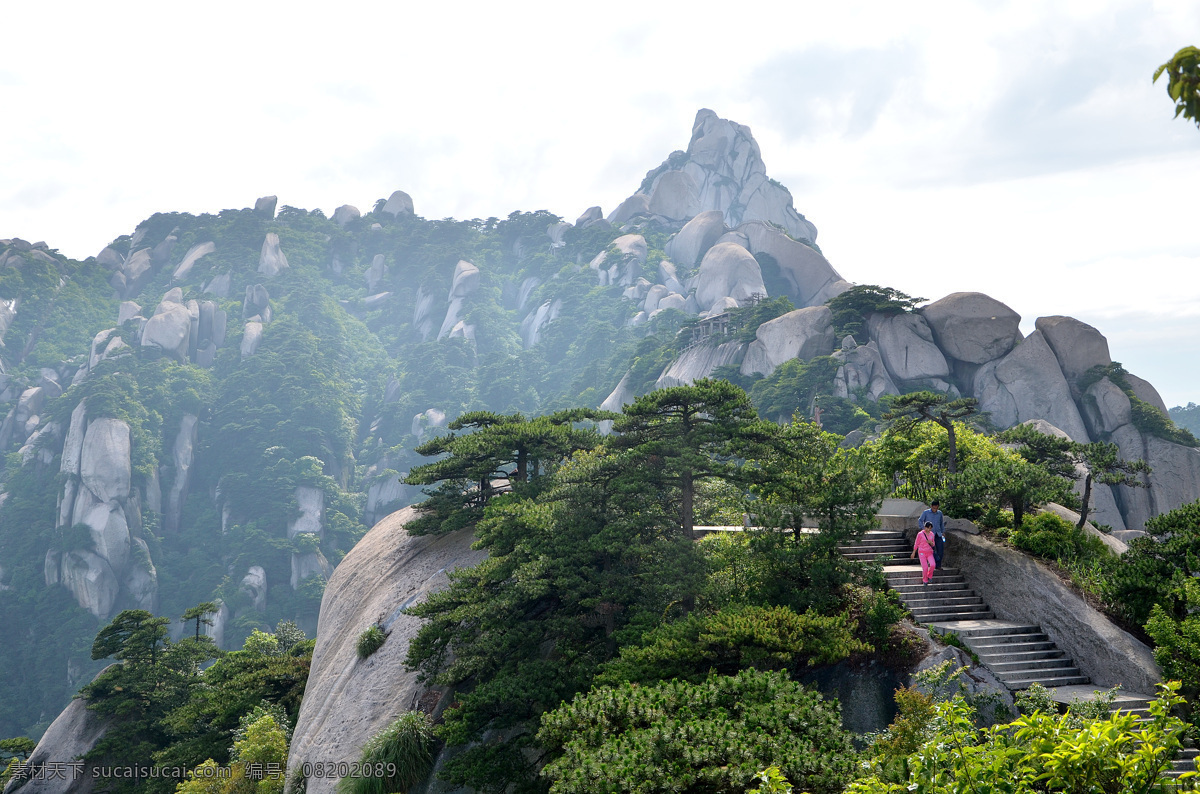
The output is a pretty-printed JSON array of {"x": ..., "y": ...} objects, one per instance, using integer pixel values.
[{"x": 219, "y": 406}]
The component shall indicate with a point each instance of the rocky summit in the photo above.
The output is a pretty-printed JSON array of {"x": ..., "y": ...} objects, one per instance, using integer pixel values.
[{"x": 225, "y": 407}]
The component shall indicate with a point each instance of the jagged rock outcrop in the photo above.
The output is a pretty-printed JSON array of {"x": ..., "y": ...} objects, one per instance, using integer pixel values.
[
  {"x": 698, "y": 235},
  {"x": 972, "y": 327},
  {"x": 399, "y": 203},
  {"x": 723, "y": 170},
  {"x": 803, "y": 333},
  {"x": 191, "y": 257},
  {"x": 1027, "y": 384},
  {"x": 183, "y": 454},
  {"x": 376, "y": 273},
  {"x": 348, "y": 700},
  {"x": 590, "y": 217},
  {"x": 265, "y": 206},
  {"x": 464, "y": 282},
  {"x": 169, "y": 329},
  {"x": 74, "y": 732},
  {"x": 271, "y": 261},
  {"x": 699, "y": 362},
  {"x": 862, "y": 371},
  {"x": 1077, "y": 345},
  {"x": 728, "y": 270},
  {"x": 536, "y": 320},
  {"x": 906, "y": 346},
  {"x": 632, "y": 251},
  {"x": 252, "y": 334},
  {"x": 810, "y": 279},
  {"x": 257, "y": 304},
  {"x": 1106, "y": 408},
  {"x": 637, "y": 205}
]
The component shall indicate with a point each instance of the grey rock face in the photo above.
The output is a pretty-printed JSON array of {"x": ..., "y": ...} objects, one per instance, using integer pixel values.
[
  {"x": 810, "y": 278},
  {"x": 632, "y": 251},
  {"x": 191, "y": 257},
  {"x": 464, "y": 282},
  {"x": 1077, "y": 345},
  {"x": 698, "y": 235},
  {"x": 104, "y": 463},
  {"x": 254, "y": 584},
  {"x": 169, "y": 330},
  {"x": 1144, "y": 391},
  {"x": 699, "y": 362},
  {"x": 265, "y": 206},
  {"x": 728, "y": 271},
  {"x": 557, "y": 233},
  {"x": 257, "y": 303},
  {"x": 590, "y": 216},
  {"x": 399, "y": 203},
  {"x": 1105, "y": 408},
  {"x": 220, "y": 285},
  {"x": 348, "y": 700},
  {"x": 620, "y": 396},
  {"x": 536, "y": 320},
  {"x": 91, "y": 580},
  {"x": 906, "y": 347},
  {"x": 1175, "y": 476},
  {"x": 271, "y": 261},
  {"x": 345, "y": 214},
  {"x": 1017, "y": 587},
  {"x": 803, "y": 334},
  {"x": 675, "y": 196},
  {"x": 311, "y": 502},
  {"x": 183, "y": 455},
  {"x": 972, "y": 327},
  {"x": 723, "y": 170},
  {"x": 862, "y": 370},
  {"x": 251, "y": 338},
  {"x": 74, "y": 732},
  {"x": 127, "y": 311},
  {"x": 1027, "y": 384},
  {"x": 635, "y": 206}
]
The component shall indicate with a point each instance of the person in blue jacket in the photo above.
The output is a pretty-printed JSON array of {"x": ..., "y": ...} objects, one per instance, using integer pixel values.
[{"x": 936, "y": 517}]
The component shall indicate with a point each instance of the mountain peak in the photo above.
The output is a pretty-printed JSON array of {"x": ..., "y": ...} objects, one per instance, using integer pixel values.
[{"x": 723, "y": 170}]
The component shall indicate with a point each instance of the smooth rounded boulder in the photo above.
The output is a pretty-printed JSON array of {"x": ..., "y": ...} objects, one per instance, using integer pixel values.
[
  {"x": 906, "y": 347},
  {"x": 973, "y": 327},
  {"x": 728, "y": 270},
  {"x": 696, "y": 237},
  {"x": 803, "y": 334},
  {"x": 1077, "y": 345}
]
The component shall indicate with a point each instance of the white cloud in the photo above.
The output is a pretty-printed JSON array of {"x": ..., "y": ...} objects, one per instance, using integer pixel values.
[{"x": 1015, "y": 148}]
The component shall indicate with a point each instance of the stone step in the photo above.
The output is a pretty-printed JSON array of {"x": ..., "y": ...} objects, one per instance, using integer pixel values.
[
  {"x": 873, "y": 556},
  {"x": 1011, "y": 647},
  {"x": 1051, "y": 663},
  {"x": 878, "y": 540},
  {"x": 936, "y": 609},
  {"x": 1046, "y": 681},
  {"x": 998, "y": 628},
  {"x": 939, "y": 577},
  {"x": 1002, "y": 634},
  {"x": 991, "y": 659},
  {"x": 1001, "y": 640},
  {"x": 953, "y": 617},
  {"x": 933, "y": 587},
  {"x": 916, "y": 602}
]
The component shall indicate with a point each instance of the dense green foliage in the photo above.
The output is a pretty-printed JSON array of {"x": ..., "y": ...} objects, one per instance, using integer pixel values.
[
  {"x": 941, "y": 749},
  {"x": 852, "y": 308},
  {"x": 369, "y": 641},
  {"x": 161, "y": 709},
  {"x": 711, "y": 736}
]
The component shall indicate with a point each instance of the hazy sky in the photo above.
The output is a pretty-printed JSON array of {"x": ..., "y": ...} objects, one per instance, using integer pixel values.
[{"x": 1012, "y": 148}]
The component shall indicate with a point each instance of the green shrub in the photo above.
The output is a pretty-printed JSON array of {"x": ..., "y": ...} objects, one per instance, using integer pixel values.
[
  {"x": 1035, "y": 698},
  {"x": 1048, "y": 536},
  {"x": 395, "y": 759},
  {"x": 369, "y": 641},
  {"x": 711, "y": 736}
]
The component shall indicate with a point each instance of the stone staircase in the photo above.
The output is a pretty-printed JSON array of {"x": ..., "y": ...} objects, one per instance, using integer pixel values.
[{"x": 1018, "y": 654}]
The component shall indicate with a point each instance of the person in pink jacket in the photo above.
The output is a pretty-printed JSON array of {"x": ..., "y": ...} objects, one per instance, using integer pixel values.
[{"x": 923, "y": 548}]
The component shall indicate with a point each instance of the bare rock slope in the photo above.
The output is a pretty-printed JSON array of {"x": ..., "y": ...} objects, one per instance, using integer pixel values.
[{"x": 348, "y": 700}]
